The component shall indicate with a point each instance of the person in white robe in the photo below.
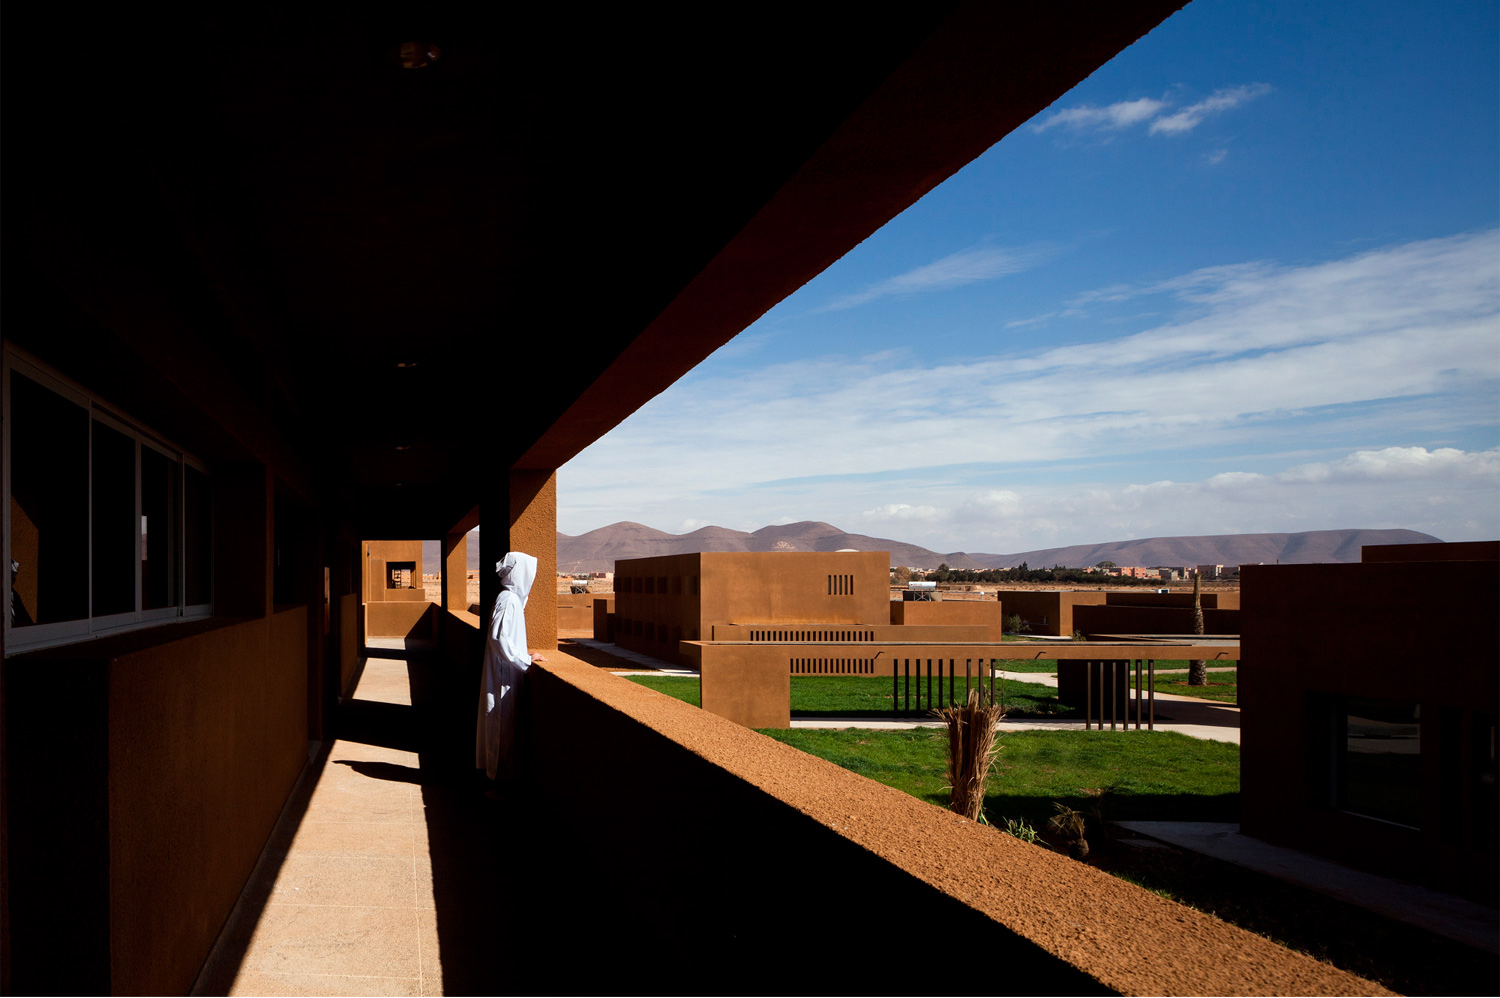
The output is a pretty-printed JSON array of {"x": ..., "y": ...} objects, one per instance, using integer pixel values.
[{"x": 506, "y": 659}]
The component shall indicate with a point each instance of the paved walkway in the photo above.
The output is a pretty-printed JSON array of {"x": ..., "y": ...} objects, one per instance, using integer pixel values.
[
  {"x": 391, "y": 872},
  {"x": 1471, "y": 924}
]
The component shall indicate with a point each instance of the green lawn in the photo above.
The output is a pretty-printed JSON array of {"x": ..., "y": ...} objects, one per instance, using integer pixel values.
[
  {"x": 866, "y": 696},
  {"x": 1121, "y": 776},
  {"x": 1027, "y": 665},
  {"x": 682, "y": 687},
  {"x": 1222, "y": 686}
]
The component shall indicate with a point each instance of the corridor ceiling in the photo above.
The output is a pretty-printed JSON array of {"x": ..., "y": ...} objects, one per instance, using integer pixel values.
[{"x": 410, "y": 278}]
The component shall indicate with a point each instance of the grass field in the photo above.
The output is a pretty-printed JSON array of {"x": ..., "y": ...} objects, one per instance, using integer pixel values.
[
  {"x": 866, "y": 696},
  {"x": 1161, "y": 776},
  {"x": 1222, "y": 686}
]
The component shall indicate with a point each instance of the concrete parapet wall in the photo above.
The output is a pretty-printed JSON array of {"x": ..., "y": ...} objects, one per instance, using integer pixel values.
[
  {"x": 1209, "y": 601},
  {"x": 753, "y": 822},
  {"x": 1047, "y": 611},
  {"x": 181, "y": 746},
  {"x": 988, "y": 614},
  {"x": 1152, "y": 620},
  {"x": 395, "y": 619}
]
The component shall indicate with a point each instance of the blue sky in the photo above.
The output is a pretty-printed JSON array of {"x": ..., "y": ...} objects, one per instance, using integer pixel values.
[{"x": 1246, "y": 277}]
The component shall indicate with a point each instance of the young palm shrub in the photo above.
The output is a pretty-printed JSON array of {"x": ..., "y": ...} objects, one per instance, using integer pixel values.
[
  {"x": 971, "y": 751},
  {"x": 1066, "y": 830},
  {"x": 1197, "y": 668}
]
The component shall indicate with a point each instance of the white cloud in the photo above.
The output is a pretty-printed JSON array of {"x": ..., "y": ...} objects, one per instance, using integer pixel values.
[
  {"x": 1125, "y": 114},
  {"x": 970, "y": 266},
  {"x": 891, "y": 512},
  {"x": 1192, "y": 116},
  {"x": 1121, "y": 114},
  {"x": 1400, "y": 344}
]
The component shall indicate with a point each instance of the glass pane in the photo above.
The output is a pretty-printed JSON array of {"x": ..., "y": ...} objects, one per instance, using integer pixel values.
[
  {"x": 198, "y": 521},
  {"x": 114, "y": 522},
  {"x": 49, "y": 438},
  {"x": 158, "y": 530},
  {"x": 1381, "y": 771}
]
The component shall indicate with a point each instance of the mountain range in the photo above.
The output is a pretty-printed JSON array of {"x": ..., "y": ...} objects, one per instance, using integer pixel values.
[{"x": 597, "y": 550}]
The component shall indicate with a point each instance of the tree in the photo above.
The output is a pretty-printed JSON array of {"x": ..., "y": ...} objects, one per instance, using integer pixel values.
[
  {"x": 900, "y": 575},
  {"x": 1105, "y": 564},
  {"x": 1197, "y": 668}
]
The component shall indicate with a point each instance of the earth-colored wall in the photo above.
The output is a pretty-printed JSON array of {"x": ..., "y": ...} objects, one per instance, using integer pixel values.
[
  {"x": 1092, "y": 620},
  {"x": 753, "y": 822},
  {"x": 400, "y": 619},
  {"x": 381, "y": 553},
  {"x": 986, "y": 613},
  {"x": 1416, "y": 631},
  {"x": 1047, "y": 611},
  {"x": 349, "y": 640},
  {"x": 575, "y": 613},
  {"x": 1209, "y": 601},
  {"x": 143, "y": 823},
  {"x": 604, "y": 618},
  {"x": 705, "y": 589},
  {"x": 1456, "y": 551}
]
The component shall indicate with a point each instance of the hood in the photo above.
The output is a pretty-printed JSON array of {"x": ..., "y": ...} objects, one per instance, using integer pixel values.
[{"x": 517, "y": 572}]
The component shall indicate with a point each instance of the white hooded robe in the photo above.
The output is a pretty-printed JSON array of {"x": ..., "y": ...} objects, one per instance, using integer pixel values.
[{"x": 506, "y": 659}]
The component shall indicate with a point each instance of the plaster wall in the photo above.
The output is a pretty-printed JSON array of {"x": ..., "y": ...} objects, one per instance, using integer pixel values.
[
  {"x": 799, "y": 820},
  {"x": 988, "y": 614},
  {"x": 378, "y": 554},
  {"x": 575, "y": 613},
  {"x": 1093, "y": 620},
  {"x": 1209, "y": 601},
  {"x": 1457, "y": 551},
  {"x": 604, "y": 618},
  {"x": 182, "y": 745},
  {"x": 1047, "y": 611},
  {"x": 400, "y": 619},
  {"x": 1416, "y": 631},
  {"x": 523, "y": 518},
  {"x": 663, "y": 601},
  {"x": 349, "y": 640}
]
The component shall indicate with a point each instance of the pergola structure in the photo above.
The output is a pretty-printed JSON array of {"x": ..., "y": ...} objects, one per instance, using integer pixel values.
[{"x": 378, "y": 271}]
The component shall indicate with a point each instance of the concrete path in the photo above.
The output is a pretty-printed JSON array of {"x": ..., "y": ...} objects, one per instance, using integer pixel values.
[
  {"x": 1463, "y": 921},
  {"x": 392, "y": 873}
]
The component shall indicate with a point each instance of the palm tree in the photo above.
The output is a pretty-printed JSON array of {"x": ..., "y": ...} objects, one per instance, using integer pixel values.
[{"x": 1197, "y": 668}]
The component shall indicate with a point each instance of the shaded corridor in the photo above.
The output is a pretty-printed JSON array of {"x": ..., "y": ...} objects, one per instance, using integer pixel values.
[{"x": 392, "y": 873}]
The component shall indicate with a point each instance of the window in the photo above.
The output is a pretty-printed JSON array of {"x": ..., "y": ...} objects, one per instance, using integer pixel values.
[
  {"x": 1379, "y": 767},
  {"x": 107, "y": 527}
]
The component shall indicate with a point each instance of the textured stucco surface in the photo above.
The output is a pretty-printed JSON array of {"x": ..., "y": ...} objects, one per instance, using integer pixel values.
[{"x": 1121, "y": 936}]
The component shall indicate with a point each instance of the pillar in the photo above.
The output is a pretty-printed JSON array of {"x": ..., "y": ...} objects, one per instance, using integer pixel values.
[
  {"x": 455, "y": 570},
  {"x": 529, "y": 501}
]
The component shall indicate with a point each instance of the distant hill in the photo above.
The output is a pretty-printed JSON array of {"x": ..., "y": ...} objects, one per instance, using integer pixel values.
[
  {"x": 597, "y": 550},
  {"x": 1306, "y": 547}
]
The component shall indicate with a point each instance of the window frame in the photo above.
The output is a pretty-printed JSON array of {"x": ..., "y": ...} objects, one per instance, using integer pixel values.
[{"x": 45, "y": 635}]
